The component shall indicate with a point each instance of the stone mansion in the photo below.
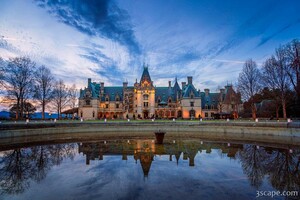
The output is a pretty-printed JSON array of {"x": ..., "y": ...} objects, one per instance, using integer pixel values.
[{"x": 143, "y": 101}]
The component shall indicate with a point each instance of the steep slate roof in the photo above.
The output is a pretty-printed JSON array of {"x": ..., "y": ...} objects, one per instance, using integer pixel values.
[
  {"x": 188, "y": 89},
  {"x": 163, "y": 93},
  {"x": 231, "y": 95},
  {"x": 112, "y": 92},
  {"x": 94, "y": 88},
  {"x": 211, "y": 99}
]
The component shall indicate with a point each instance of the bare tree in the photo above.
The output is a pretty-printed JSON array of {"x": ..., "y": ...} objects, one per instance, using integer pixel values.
[
  {"x": 43, "y": 88},
  {"x": 18, "y": 81},
  {"x": 276, "y": 76},
  {"x": 60, "y": 96},
  {"x": 73, "y": 98},
  {"x": 292, "y": 52},
  {"x": 249, "y": 83}
]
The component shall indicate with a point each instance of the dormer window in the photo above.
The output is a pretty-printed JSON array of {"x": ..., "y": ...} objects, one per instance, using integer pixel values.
[
  {"x": 192, "y": 96},
  {"x": 170, "y": 100},
  {"x": 117, "y": 99},
  {"x": 87, "y": 102}
]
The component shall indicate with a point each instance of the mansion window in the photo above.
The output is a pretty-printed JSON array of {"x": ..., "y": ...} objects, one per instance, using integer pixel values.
[
  {"x": 206, "y": 106},
  {"x": 88, "y": 102},
  {"x": 146, "y": 104},
  {"x": 170, "y": 100},
  {"x": 192, "y": 96},
  {"x": 117, "y": 99},
  {"x": 206, "y": 114},
  {"x": 106, "y": 99},
  {"x": 212, "y": 107},
  {"x": 146, "y": 96},
  {"x": 158, "y": 101},
  {"x": 192, "y": 104},
  {"x": 106, "y": 105},
  {"x": 93, "y": 113},
  {"x": 117, "y": 105}
]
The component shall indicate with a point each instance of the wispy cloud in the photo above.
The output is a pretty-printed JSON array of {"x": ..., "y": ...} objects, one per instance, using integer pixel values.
[{"x": 103, "y": 18}]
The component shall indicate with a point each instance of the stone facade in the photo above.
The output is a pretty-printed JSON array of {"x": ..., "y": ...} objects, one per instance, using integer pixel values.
[{"x": 143, "y": 100}]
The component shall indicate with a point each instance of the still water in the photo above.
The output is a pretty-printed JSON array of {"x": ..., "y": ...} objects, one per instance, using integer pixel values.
[{"x": 141, "y": 169}]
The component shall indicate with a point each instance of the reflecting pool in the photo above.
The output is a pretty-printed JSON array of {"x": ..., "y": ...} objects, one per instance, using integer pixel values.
[{"x": 141, "y": 169}]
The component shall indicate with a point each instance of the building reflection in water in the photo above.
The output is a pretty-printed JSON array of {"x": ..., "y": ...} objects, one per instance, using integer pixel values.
[
  {"x": 144, "y": 151},
  {"x": 279, "y": 165}
]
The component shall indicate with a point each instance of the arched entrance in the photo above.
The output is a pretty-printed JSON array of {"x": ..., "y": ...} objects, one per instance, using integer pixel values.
[
  {"x": 179, "y": 114},
  {"x": 192, "y": 113},
  {"x": 146, "y": 114}
]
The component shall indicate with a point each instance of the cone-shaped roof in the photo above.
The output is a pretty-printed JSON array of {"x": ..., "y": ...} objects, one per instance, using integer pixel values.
[{"x": 145, "y": 75}]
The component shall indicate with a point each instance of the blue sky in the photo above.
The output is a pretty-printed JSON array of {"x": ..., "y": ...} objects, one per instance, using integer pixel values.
[{"x": 109, "y": 40}]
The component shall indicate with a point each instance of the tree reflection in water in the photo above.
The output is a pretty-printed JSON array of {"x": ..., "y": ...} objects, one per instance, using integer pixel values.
[
  {"x": 20, "y": 166},
  {"x": 280, "y": 166}
]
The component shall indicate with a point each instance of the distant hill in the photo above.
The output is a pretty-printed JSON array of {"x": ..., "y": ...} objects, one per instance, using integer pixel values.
[
  {"x": 37, "y": 115},
  {"x": 4, "y": 115}
]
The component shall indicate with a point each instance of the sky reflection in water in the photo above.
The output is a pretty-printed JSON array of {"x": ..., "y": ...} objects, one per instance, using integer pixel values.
[{"x": 140, "y": 169}]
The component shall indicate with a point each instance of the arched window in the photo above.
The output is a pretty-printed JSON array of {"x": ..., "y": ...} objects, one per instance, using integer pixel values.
[{"x": 192, "y": 113}]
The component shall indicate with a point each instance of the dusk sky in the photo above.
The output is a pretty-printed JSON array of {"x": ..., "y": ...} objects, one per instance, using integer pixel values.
[{"x": 109, "y": 40}]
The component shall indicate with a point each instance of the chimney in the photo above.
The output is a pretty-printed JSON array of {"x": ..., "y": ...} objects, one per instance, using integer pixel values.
[
  {"x": 169, "y": 84},
  {"x": 206, "y": 92},
  {"x": 190, "y": 79},
  {"x": 102, "y": 88},
  {"x": 125, "y": 84},
  {"x": 183, "y": 84},
  {"x": 89, "y": 82}
]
